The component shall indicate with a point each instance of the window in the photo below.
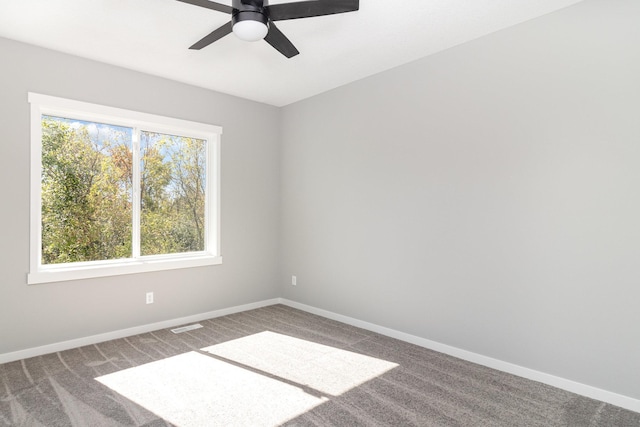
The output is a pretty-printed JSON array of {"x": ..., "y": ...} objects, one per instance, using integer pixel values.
[{"x": 115, "y": 191}]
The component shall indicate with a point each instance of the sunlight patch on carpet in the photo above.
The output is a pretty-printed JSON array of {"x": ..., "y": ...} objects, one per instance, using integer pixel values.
[
  {"x": 324, "y": 368},
  {"x": 263, "y": 379}
]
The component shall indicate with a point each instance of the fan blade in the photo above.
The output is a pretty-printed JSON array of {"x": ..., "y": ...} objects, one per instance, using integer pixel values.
[
  {"x": 210, "y": 5},
  {"x": 307, "y": 9},
  {"x": 213, "y": 36},
  {"x": 280, "y": 42}
]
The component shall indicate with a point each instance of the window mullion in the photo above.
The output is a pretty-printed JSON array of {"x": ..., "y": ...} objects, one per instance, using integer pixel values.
[{"x": 135, "y": 188}]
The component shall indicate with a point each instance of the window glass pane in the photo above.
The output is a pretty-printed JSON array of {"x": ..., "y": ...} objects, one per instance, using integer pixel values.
[
  {"x": 86, "y": 191},
  {"x": 172, "y": 194}
]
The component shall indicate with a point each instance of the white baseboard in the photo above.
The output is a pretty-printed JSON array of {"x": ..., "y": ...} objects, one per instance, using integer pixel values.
[
  {"x": 562, "y": 383},
  {"x": 94, "y": 339}
]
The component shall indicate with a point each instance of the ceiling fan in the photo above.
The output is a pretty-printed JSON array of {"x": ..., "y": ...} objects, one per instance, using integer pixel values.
[{"x": 253, "y": 20}]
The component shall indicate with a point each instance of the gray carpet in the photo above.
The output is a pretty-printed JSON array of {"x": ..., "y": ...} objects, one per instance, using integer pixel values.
[{"x": 279, "y": 366}]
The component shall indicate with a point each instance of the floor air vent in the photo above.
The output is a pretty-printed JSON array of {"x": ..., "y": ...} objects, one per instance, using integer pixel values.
[{"x": 186, "y": 328}]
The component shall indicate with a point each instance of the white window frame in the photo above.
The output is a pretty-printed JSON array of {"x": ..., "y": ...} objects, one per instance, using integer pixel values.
[{"x": 67, "y": 108}]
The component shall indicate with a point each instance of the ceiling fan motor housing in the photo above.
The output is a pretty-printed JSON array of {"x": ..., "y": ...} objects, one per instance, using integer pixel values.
[{"x": 249, "y": 10}]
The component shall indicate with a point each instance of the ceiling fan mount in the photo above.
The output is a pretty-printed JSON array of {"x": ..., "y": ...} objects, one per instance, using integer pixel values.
[{"x": 253, "y": 20}]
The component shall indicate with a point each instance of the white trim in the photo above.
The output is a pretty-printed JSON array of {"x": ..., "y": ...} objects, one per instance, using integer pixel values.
[
  {"x": 86, "y": 110},
  {"x": 118, "y": 268},
  {"x": 123, "y": 333},
  {"x": 35, "y": 227},
  {"x": 138, "y": 121},
  {"x": 531, "y": 374}
]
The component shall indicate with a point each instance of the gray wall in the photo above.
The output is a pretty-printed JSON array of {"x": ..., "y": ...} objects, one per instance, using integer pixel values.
[
  {"x": 487, "y": 197},
  {"x": 36, "y": 315}
]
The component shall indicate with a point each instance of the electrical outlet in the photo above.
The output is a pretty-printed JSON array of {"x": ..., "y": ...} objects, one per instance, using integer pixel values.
[
  {"x": 294, "y": 280},
  {"x": 149, "y": 297}
]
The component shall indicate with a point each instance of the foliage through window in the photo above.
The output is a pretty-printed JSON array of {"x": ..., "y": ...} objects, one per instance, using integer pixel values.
[
  {"x": 172, "y": 189},
  {"x": 86, "y": 191},
  {"x": 119, "y": 191}
]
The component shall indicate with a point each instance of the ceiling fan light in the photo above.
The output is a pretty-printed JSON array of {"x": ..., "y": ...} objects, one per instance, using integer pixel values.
[{"x": 250, "y": 30}]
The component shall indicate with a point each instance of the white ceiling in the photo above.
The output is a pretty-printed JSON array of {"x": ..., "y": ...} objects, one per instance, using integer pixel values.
[{"x": 153, "y": 36}]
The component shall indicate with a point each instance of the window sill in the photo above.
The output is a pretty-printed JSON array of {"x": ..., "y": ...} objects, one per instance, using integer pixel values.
[{"x": 60, "y": 274}]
